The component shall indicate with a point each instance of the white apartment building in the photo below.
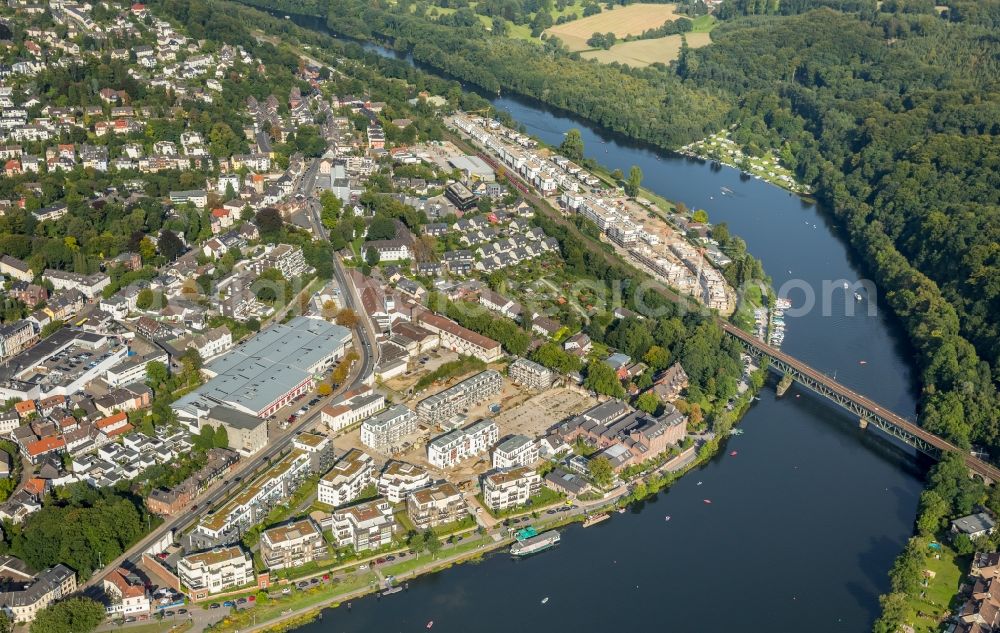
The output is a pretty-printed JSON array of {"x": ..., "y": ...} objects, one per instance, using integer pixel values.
[
  {"x": 399, "y": 479},
  {"x": 292, "y": 545},
  {"x": 366, "y": 526},
  {"x": 254, "y": 502},
  {"x": 216, "y": 570},
  {"x": 517, "y": 450},
  {"x": 90, "y": 285},
  {"x": 460, "y": 339},
  {"x": 447, "y": 450},
  {"x": 385, "y": 431},
  {"x": 530, "y": 374},
  {"x": 436, "y": 505},
  {"x": 444, "y": 405},
  {"x": 126, "y": 593},
  {"x": 348, "y": 477},
  {"x": 353, "y": 410},
  {"x": 22, "y": 605},
  {"x": 510, "y": 488}
]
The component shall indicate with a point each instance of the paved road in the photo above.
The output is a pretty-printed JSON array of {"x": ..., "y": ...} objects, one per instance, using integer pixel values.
[{"x": 220, "y": 491}]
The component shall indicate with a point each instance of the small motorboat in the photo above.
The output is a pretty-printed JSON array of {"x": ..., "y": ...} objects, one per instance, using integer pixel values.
[
  {"x": 545, "y": 599},
  {"x": 699, "y": 483},
  {"x": 733, "y": 453},
  {"x": 666, "y": 518},
  {"x": 862, "y": 362},
  {"x": 430, "y": 624},
  {"x": 707, "y": 501}
]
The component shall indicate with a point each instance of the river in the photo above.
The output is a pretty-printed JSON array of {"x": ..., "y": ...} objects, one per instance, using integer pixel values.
[{"x": 804, "y": 522}]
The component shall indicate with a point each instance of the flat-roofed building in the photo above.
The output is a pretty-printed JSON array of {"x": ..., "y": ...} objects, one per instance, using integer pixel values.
[
  {"x": 349, "y": 476},
  {"x": 268, "y": 371},
  {"x": 216, "y": 570},
  {"x": 353, "y": 410},
  {"x": 385, "y": 432},
  {"x": 399, "y": 479},
  {"x": 447, "y": 450},
  {"x": 436, "y": 505},
  {"x": 530, "y": 374},
  {"x": 292, "y": 545},
  {"x": 444, "y": 405},
  {"x": 247, "y": 433},
  {"x": 510, "y": 488},
  {"x": 517, "y": 450},
  {"x": 366, "y": 526}
]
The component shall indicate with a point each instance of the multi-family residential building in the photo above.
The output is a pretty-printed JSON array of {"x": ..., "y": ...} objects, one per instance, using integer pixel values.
[
  {"x": 517, "y": 450},
  {"x": 247, "y": 433},
  {"x": 285, "y": 258},
  {"x": 16, "y": 337},
  {"x": 126, "y": 593},
  {"x": 446, "y": 404},
  {"x": 29, "y": 593},
  {"x": 436, "y": 505},
  {"x": 132, "y": 369},
  {"x": 530, "y": 374},
  {"x": 292, "y": 545},
  {"x": 510, "y": 488},
  {"x": 451, "y": 448},
  {"x": 460, "y": 339},
  {"x": 385, "y": 432},
  {"x": 349, "y": 476},
  {"x": 216, "y": 570},
  {"x": 90, "y": 285},
  {"x": 399, "y": 479},
  {"x": 255, "y": 500},
  {"x": 365, "y": 526},
  {"x": 352, "y": 410},
  {"x": 14, "y": 267}
]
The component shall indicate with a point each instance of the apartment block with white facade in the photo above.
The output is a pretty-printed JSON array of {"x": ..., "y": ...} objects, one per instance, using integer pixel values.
[
  {"x": 446, "y": 404},
  {"x": 337, "y": 417},
  {"x": 216, "y": 570},
  {"x": 348, "y": 477},
  {"x": 385, "y": 431},
  {"x": 365, "y": 526},
  {"x": 510, "y": 488},
  {"x": 530, "y": 374},
  {"x": 436, "y": 505},
  {"x": 292, "y": 545},
  {"x": 399, "y": 479},
  {"x": 447, "y": 450},
  {"x": 517, "y": 450}
]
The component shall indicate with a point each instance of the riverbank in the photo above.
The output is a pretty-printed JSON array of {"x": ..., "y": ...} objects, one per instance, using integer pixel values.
[{"x": 721, "y": 148}]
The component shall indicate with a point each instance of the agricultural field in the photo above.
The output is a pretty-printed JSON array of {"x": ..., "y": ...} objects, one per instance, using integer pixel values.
[
  {"x": 639, "y": 53},
  {"x": 629, "y": 20}
]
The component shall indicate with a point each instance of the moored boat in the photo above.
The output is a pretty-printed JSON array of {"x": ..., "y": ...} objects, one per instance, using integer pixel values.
[{"x": 535, "y": 544}]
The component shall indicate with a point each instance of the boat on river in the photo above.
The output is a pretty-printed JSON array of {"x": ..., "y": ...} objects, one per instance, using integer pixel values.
[{"x": 535, "y": 544}]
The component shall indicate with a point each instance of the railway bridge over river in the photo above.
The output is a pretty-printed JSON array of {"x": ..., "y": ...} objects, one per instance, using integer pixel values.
[{"x": 868, "y": 411}]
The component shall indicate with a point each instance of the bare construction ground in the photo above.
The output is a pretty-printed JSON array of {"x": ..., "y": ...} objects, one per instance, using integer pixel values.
[
  {"x": 629, "y": 20},
  {"x": 640, "y": 53}
]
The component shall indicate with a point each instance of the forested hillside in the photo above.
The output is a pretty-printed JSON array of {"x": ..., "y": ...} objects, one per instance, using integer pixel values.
[{"x": 895, "y": 117}]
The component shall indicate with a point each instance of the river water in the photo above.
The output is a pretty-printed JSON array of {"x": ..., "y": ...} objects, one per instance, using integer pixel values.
[{"x": 804, "y": 522}]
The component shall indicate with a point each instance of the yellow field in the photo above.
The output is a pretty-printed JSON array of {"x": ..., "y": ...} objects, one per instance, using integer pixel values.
[
  {"x": 641, "y": 53},
  {"x": 629, "y": 20}
]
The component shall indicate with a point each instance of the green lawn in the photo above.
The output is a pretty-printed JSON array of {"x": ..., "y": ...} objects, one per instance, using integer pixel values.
[
  {"x": 940, "y": 590},
  {"x": 279, "y": 604},
  {"x": 413, "y": 562},
  {"x": 704, "y": 23}
]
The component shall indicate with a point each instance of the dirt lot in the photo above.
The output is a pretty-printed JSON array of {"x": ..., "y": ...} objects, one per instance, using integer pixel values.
[
  {"x": 629, "y": 20},
  {"x": 641, "y": 53},
  {"x": 533, "y": 416}
]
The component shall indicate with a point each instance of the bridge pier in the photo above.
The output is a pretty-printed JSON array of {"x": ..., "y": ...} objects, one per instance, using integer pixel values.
[{"x": 863, "y": 423}]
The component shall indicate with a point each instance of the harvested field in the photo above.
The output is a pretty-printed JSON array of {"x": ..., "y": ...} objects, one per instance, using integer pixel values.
[
  {"x": 641, "y": 53},
  {"x": 629, "y": 20}
]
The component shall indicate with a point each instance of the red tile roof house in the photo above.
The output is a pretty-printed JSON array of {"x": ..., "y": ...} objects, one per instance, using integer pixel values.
[{"x": 35, "y": 450}]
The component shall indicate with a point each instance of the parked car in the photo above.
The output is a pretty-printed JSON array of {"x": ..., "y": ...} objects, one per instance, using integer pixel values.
[
  {"x": 229, "y": 603},
  {"x": 214, "y": 605}
]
